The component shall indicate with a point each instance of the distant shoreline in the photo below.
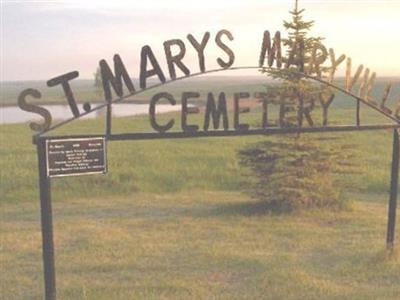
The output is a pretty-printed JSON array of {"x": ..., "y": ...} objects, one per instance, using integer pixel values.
[
  {"x": 85, "y": 91},
  {"x": 225, "y": 77},
  {"x": 2, "y": 105}
]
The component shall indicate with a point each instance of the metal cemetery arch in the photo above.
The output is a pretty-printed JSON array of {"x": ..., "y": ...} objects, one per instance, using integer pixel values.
[
  {"x": 85, "y": 154},
  {"x": 42, "y": 139},
  {"x": 120, "y": 99}
]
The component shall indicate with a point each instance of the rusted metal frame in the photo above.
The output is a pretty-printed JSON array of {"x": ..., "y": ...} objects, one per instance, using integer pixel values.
[
  {"x": 394, "y": 190},
  {"x": 198, "y": 74},
  {"x": 47, "y": 223}
]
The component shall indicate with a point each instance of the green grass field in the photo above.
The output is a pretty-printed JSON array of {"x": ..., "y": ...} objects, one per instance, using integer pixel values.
[{"x": 172, "y": 220}]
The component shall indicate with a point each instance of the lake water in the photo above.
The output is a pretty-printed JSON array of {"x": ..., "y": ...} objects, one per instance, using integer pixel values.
[{"x": 13, "y": 114}]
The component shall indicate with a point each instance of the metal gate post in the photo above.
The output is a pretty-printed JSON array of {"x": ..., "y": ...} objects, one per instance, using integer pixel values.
[
  {"x": 394, "y": 185},
  {"x": 47, "y": 223}
]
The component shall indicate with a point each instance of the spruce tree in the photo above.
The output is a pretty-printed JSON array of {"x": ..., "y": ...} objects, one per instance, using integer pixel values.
[
  {"x": 297, "y": 94},
  {"x": 294, "y": 172}
]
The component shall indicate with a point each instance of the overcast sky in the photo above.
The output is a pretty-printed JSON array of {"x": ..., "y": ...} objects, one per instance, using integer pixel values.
[{"x": 43, "y": 39}]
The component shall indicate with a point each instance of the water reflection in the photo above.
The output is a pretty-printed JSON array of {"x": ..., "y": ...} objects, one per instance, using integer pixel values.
[{"x": 13, "y": 114}]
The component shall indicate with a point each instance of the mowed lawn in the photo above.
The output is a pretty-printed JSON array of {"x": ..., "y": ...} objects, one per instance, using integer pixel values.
[{"x": 172, "y": 220}]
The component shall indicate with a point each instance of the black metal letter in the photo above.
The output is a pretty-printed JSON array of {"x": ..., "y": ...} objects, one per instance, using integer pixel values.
[
  {"x": 317, "y": 59},
  {"x": 226, "y": 49},
  {"x": 271, "y": 52},
  {"x": 200, "y": 48},
  {"x": 176, "y": 59},
  {"x": 216, "y": 112},
  {"x": 64, "y": 81},
  {"x": 264, "y": 99},
  {"x": 108, "y": 77},
  {"x": 35, "y": 109},
  {"x": 296, "y": 56},
  {"x": 334, "y": 64},
  {"x": 325, "y": 107},
  {"x": 152, "y": 112},
  {"x": 385, "y": 96},
  {"x": 185, "y": 97},
  {"x": 236, "y": 123},
  {"x": 144, "y": 73}
]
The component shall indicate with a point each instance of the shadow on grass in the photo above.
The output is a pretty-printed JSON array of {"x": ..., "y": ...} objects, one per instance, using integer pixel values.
[{"x": 247, "y": 209}]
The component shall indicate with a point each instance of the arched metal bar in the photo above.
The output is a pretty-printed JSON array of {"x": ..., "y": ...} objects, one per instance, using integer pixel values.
[
  {"x": 58, "y": 125},
  {"x": 366, "y": 102}
]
